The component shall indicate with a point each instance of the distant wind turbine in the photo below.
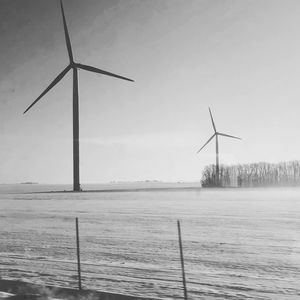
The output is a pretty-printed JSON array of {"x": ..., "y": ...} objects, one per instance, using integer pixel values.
[
  {"x": 216, "y": 134},
  {"x": 74, "y": 66}
]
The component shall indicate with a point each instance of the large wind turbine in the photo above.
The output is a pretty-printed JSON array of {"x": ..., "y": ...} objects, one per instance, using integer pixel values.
[
  {"x": 216, "y": 134},
  {"x": 74, "y": 66}
]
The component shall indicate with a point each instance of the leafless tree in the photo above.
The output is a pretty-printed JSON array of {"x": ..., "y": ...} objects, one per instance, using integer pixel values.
[{"x": 254, "y": 175}]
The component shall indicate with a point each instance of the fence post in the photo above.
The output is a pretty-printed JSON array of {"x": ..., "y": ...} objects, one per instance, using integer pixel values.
[
  {"x": 78, "y": 255},
  {"x": 182, "y": 261}
]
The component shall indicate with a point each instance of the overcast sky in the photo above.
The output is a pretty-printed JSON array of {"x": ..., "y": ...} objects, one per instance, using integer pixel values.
[{"x": 241, "y": 58}]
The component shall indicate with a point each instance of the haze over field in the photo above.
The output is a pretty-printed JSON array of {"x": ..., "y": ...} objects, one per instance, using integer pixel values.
[{"x": 241, "y": 58}]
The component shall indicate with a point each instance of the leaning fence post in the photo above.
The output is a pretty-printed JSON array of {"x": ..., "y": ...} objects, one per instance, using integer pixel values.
[
  {"x": 78, "y": 255},
  {"x": 182, "y": 261}
]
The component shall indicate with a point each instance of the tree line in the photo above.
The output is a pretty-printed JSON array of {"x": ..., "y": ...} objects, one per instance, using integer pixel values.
[{"x": 253, "y": 175}]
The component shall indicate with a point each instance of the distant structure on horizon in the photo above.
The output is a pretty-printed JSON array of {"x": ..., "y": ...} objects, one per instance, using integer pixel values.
[
  {"x": 74, "y": 66},
  {"x": 216, "y": 179}
]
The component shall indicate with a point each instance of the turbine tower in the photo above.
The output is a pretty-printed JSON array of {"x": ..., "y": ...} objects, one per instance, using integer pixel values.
[
  {"x": 74, "y": 66},
  {"x": 216, "y": 134}
]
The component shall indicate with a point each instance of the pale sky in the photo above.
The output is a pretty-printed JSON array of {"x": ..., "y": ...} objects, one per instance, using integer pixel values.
[{"x": 241, "y": 58}]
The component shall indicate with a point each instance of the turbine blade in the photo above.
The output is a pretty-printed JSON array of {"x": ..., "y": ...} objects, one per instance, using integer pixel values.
[
  {"x": 206, "y": 143},
  {"x": 51, "y": 85},
  {"x": 212, "y": 120},
  {"x": 68, "y": 42},
  {"x": 96, "y": 70},
  {"x": 230, "y": 136}
]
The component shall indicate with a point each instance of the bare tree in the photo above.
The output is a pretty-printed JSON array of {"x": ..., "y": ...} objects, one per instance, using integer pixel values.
[{"x": 254, "y": 175}]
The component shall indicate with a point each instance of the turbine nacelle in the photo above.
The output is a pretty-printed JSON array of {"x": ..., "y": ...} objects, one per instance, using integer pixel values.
[{"x": 73, "y": 65}]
